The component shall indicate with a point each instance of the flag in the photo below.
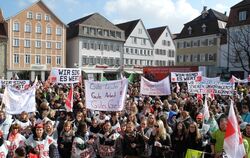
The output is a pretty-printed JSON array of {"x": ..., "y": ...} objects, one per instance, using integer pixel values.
[
  {"x": 177, "y": 87},
  {"x": 206, "y": 111},
  {"x": 131, "y": 78},
  {"x": 232, "y": 80},
  {"x": 194, "y": 154},
  {"x": 69, "y": 100},
  {"x": 233, "y": 142},
  {"x": 199, "y": 97}
]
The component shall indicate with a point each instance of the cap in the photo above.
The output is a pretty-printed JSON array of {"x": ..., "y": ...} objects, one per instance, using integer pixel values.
[{"x": 199, "y": 116}]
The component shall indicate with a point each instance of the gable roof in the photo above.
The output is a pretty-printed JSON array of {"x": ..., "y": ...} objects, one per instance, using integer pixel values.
[
  {"x": 210, "y": 21},
  {"x": 94, "y": 19},
  {"x": 36, "y": 2},
  {"x": 128, "y": 27},
  {"x": 241, "y": 4},
  {"x": 155, "y": 33}
]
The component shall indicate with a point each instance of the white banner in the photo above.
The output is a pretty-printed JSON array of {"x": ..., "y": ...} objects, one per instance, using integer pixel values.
[
  {"x": 222, "y": 88},
  {"x": 155, "y": 88},
  {"x": 20, "y": 84},
  {"x": 65, "y": 75},
  {"x": 106, "y": 96},
  {"x": 213, "y": 79},
  {"x": 185, "y": 76},
  {"x": 17, "y": 101}
]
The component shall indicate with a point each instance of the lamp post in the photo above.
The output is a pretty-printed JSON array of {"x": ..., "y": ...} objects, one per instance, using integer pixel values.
[{"x": 3, "y": 43}]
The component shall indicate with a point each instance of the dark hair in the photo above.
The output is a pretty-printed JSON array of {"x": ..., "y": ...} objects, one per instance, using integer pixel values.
[
  {"x": 20, "y": 151},
  {"x": 81, "y": 125}
]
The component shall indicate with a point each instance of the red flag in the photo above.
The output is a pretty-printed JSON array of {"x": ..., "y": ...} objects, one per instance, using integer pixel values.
[
  {"x": 33, "y": 155},
  {"x": 69, "y": 100},
  {"x": 199, "y": 97},
  {"x": 233, "y": 144}
]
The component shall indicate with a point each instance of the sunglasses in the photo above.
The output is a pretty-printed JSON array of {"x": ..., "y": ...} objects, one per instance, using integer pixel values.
[{"x": 156, "y": 126}]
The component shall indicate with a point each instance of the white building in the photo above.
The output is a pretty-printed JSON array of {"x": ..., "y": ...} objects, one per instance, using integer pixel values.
[
  {"x": 164, "y": 48},
  {"x": 95, "y": 45},
  {"x": 138, "y": 47}
]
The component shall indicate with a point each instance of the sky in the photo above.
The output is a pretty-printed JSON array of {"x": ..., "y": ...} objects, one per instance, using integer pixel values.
[{"x": 154, "y": 13}]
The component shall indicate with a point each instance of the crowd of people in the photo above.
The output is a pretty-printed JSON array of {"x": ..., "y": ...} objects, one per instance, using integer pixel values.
[{"x": 149, "y": 126}]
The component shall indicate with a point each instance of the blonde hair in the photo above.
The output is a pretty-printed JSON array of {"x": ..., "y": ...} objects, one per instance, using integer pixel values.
[{"x": 162, "y": 130}]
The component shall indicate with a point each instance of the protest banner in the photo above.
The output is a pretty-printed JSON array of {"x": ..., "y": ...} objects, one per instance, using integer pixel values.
[
  {"x": 222, "y": 88},
  {"x": 213, "y": 79},
  {"x": 155, "y": 88},
  {"x": 185, "y": 76},
  {"x": 19, "y": 84},
  {"x": 65, "y": 75},
  {"x": 106, "y": 151},
  {"x": 106, "y": 95},
  {"x": 17, "y": 101}
]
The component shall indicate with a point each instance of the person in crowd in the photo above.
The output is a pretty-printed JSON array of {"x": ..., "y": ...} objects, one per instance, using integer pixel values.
[
  {"x": 160, "y": 141},
  {"x": 24, "y": 123},
  {"x": 178, "y": 140},
  {"x": 245, "y": 113},
  {"x": 15, "y": 138},
  {"x": 194, "y": 137},
  {"x": 41, "y": 145},
  {"x": 5, "y": 124},
  {"x": 83, "y": 143},
  {"x": 65, "y": 140},
  {"x": 20, "y": 152},
  {"x": 51, "y": 131},
  {"x": 133, "y": 144},
  {"x": 114, "y": 120},
  {"x": 4, "y": 145},
  {"x": 246, "y": 136},
  {"x": 217, "y": 139},
  {"x": 78, "y": 118}
]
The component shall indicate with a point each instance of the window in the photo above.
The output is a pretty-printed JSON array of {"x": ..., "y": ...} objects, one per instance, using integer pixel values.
[
  {"x": 48, "y": 44},
  {"x": 92, "y": 46},
  {"x": 38, "y": 44},
  {"x": 112, "y": 33},
  {"x": 169, "y": 43},
  {"x": 242, "y": 15},
  {"x": 127, "y": 50},
  {"x": 204, "y": 28},
  {"x": 58, "y": 31},
  {"x": 118, "y": 34},
  {"x": 134, "y": 40},
  {"x": 48, "y": 30},
  {"x": 139, "y": 31},
  {"x": 189, "y": 30},
  {"x": 27, "y": 59},
  {"x": 29, "y": 15},
  {"x": 118, "y": 48},
  {"x": 100, "y": 32},
  {"x": 38, "y": 28},
  {"x": 58, "y": 45},
  {"x": 98, "y": 60},
  {"x": 106, "y": 32},
  {"x": 16, "y": 42},
  {"x": 47, "y": 17},
  {"x": 38, "y": 16},
  {"x": 93, "y": 31},
  {"x": 164, "y": 42},
  {"x": 132, "y": 51},
  {"x": 58, "y": 60},
  {"x": 85, "y": 45},
  {"x": 143, "y": 41},
  {"x": 38, "y": 59},
  {"x": 16, "y": 26},
  {"x": 27, "y": 43},
  {"x": 48, "y": 59},
  {"x": 84, "y": 60},
  {"x": 16, "y": 58},
  {"x": 166, "y": 34},
  {"x": 27, "y": 27}
]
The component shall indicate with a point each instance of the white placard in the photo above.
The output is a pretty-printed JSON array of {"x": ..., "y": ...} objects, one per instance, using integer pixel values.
[
  {"x": 17, "y": 101},
  {"x": 106, "y": 95},
  {"x": 155, "y": 88},
  {"x": 185, "y": 76},
  {"x": 20, "y": 84},
  {"x": 65, "y": 75},
  {"x": 222, "y": 88}
]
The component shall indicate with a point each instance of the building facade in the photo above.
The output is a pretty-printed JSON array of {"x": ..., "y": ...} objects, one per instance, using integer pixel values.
[
  {"x": 37, "y": 42},
  {"x": 95, "y": 45},
  {"x": 138, "y": 47},
  {"x": 236, "y": 48},
  {"x": 164, "y": 47},
  {"x": 199, "y": 42},
  {"x": 3, "y": 46}
]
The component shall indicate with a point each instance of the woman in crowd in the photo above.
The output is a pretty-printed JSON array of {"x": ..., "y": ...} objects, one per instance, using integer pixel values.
[
  {"x": 51, "y": 131},
  {"x": 178, "y": 140},
  {"x": 133, "y": 143},
  {"x": 24, "y": 123},
  {"x": 3, "y": 146},
  {"x": 65, "y": 140},
  {"x": 42, "y": 145},
  {"x": 160, "y": 140},
  {"x": 16, "y": 139},
  {"x": 83, "y": 143},
  {"x": 194, "y": 138},
  {"x": 115, "y": 121}
]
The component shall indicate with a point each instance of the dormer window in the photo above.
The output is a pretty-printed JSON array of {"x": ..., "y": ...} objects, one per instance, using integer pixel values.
[
  {"x": 242, "y": 15},
  {"x": 189, "y": 30},
  {"x": 204, "y": 27}
]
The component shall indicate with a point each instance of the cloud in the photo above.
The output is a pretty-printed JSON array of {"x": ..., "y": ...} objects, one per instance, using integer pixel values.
[
  {"x": 222, "y": 8},
  {"x": 154, "y": 13}
]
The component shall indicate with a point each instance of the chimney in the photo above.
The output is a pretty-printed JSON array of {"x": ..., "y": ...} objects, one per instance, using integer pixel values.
[
  {"x": 225, "y": 13},
  {"x": 204, "y": 12}
]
